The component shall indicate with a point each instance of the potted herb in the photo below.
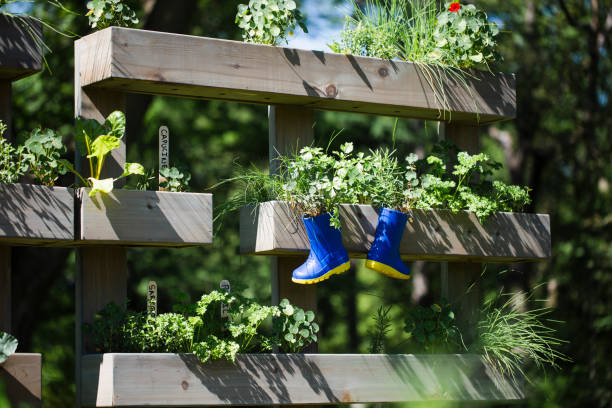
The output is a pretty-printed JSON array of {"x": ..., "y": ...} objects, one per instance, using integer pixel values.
[
  {"x": 373, "y": 195},
  {"x": 133, "y": 217},
  {"x": 34, "y": 213}
]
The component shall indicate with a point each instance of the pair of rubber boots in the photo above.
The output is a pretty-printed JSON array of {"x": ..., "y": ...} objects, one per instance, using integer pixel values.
[{"x": 328, "y": 256}]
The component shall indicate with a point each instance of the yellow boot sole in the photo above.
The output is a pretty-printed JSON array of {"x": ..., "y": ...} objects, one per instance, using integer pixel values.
[
  {"x": 386, "y": 270},
  {"x": 336, "y": 271}
]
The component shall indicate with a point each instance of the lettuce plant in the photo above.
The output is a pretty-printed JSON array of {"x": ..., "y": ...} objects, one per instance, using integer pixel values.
[
  {"x": 96, "y": 141},
  {"x": 268, "y": 21}
]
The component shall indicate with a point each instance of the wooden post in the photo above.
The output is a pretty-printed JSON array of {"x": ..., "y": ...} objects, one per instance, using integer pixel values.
[
  {"x": 101, "y": 272},
  {"x": 5, "y": 251},
  {"x": 290, "y": 128},
  {"x": 460, "y": 280}
]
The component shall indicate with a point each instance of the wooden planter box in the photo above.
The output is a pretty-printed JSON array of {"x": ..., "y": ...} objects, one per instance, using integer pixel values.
[
  {"x": 181, "y": 380},
  {"x": 272, "y": 228},
  {"x": 144, "y": 218},
  {"x": 21, "y": 377},
  {"x": 20, "y": 54},
  {"x": 36, "y": 215},
  {"x": 140, "y": 61}
]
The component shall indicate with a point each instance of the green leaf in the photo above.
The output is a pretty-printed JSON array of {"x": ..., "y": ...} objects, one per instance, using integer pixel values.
[
  {"x": 116, "y": 123},
  {"x": 304, "y": 333},
  {"x": 310, "y": 316},
  {"x": 104, "y": 186},
  {"x": 133, "y": 168},
  {"x": 86, "y": 131},
  {"x": 103, "y": 145},
  {"x": 8, "y": 346}
]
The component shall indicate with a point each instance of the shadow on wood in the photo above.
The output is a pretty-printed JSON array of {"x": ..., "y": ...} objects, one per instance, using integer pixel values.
[
  {"x": 20, "y": 52},
  {"x": 265, "y": 379},
  {"x": 144, "y": 218},
  {"x": 36, "y": 215},
  {"x": 20, "y": 377}
]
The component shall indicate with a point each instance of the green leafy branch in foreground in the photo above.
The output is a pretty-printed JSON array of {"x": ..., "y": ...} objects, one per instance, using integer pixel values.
[
  {"x": 8, "y": 346},
  {"x": 96, "y": 141},
  {"x": 512, "y": 334},
  {"x": 199, "y": 328}
]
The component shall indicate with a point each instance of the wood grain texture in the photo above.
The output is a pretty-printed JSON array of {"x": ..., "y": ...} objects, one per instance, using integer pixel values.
[
  {"x": 273, "y": 229},
  {"x": 145, "y": 218},
  {"x": 165, "y": 380},
  {"x": 101, "y": 272},
  {"x": 36, "y": 215},
  {"x": 5, "y": 289},
  {"x": 188, "y": 66},
  {"x": 460, "y": 282},
  {"x": 289, "y": 129},
  {"x": 21, "y": 375},
  {"x": 20, "y": 53}
]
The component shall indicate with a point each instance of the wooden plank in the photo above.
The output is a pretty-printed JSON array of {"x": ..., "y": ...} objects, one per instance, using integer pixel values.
[
  {"x": 36, "y": 215},
  {"x": 5, "y": 289},
  {"x": 461, "y": 282},
  {"x": 274, "y": 229},
  {"x": 21, "y": 376},
  {"x": 171, "y": 380},
  {"x": 101, "y": 272},
  {"x": 20, "y": 52},
  {"x": 145, "y": 218},
  {"x": 158, "y": 63},
  {"x": 290, "y": 128}
]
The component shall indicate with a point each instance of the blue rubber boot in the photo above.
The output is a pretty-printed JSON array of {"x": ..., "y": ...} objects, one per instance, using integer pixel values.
[
  {"x": 384, "y": 255},
  {"x": 327, "y": 255}
]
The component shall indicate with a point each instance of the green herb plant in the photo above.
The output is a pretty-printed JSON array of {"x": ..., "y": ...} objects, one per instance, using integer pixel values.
[
  {"x": 512, "y": 333},
  {"x": 107, "y": 13},
  {"x": 315, "y": 182},
  {"x": 174, "y": 179},
  {"x": 12, "y": 163},
  {"x": 42, "y": 153},
  {"x": 297, "y": 327},
  {"x": 464, "y": 38},
  {"x": 96, "y": 141},
  {"x": 442, "y": 42},
  {"x": 200, "y": 329},
  {"x": 269, "y": 21},
  {"x": 8, "y": 346},
  {"x": 382, "y": 327},
  {"x": 433, "y": 328}
]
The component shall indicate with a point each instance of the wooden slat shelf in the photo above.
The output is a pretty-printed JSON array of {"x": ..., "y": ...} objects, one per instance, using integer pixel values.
[
  {"x": 21, "y": 377},
  {"x": 20, "y": 55},
  {"x": 144, "y": 218},
  {"x": 140, "y": 61},
  {"x": 36, "y": 215},
  {"x": 181, "y": 380},
  {"x": 273, "y": 228}
]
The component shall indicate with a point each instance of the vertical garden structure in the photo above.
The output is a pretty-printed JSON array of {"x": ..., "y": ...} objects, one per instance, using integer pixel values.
[
  {"x": 293, "y": 83},
  {"x": 23, "y": 208}
]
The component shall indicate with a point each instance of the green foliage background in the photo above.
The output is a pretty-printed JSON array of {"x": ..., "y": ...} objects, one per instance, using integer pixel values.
[{"x": 560, "y": 145}]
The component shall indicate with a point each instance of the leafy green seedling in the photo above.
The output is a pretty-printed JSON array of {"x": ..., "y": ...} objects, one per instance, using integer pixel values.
[
  {"x": 107, "y": 13},
  {"x": 42, "y": 153},
  {"x": 96, "y": 142},
  {"x": 174, "y": 179},
  {"x": 268, "y": 21}
]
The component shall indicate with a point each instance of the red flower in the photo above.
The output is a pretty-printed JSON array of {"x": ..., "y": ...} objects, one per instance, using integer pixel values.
[{"x": 454, "y": 7}]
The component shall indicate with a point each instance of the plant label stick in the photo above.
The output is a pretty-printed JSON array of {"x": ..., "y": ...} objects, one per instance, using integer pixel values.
[
  {"x": 225, "y": 285},
  {"x": 152, "y": 299},
  {"x": 164, "y": 150}
]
